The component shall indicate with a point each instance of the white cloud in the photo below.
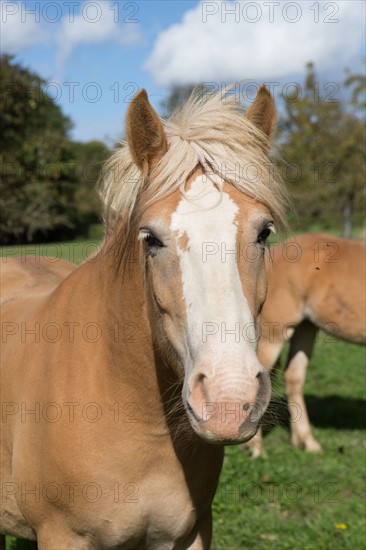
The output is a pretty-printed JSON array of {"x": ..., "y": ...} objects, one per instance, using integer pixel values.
[
  {"x": 235, "y": 40},
  {"x": 19, "y": 29},
  {"x": 98, "y": 22}
]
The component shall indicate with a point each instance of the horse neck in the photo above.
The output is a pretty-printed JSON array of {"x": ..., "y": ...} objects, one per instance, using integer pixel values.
[
  {"x": 98, "y": 295},
  {"x": 119, "y": 291},
  {"x": 116, "y": 299}
]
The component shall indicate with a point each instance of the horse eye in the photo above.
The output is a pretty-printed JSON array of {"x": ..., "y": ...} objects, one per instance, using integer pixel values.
[
  {"x": 263, "y": 236},
  {"x": 152, "y": 241}
]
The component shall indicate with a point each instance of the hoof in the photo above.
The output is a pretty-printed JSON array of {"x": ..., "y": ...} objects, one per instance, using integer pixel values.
[
  {"x": 313, "y": 446},
  {"x": 310, "y": 445},
  {"x": 255, "y": 451},
  {"x": 258, "y": 452}
]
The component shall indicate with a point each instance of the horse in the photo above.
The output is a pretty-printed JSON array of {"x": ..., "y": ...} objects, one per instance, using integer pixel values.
[
  {"x": 315, "y": 281},
  {"x": 119, "y": 390}
]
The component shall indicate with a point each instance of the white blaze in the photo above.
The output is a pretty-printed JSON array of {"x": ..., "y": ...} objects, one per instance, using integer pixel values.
[{"x": 213, "y": 293}]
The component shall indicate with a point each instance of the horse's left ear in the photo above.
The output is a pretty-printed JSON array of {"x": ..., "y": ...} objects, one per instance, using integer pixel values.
[
  {"x": 262, "y": 112},
  {"x": 145, "y": 133}
]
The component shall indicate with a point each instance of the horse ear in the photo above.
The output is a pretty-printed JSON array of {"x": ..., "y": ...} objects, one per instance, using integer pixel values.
[
  {"x": 145, "y": 133},
  {"x": 262, "y": 113}
]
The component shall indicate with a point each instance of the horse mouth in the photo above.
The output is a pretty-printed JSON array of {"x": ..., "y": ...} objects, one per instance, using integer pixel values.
[
  {"x": 236, "y": 435},
  {"x": 243, "y": 435}
]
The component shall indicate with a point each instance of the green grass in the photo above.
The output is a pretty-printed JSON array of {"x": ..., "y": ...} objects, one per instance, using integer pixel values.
[
  {"x": 291, "y": 499},
  {"x": 72, "y": 251}
]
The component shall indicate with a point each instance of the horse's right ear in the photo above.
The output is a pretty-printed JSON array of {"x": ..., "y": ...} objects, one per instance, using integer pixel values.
[{"x": 145, "y": 133}]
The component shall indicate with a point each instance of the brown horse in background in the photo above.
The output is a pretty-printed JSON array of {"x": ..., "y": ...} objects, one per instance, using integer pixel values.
[
  {"x": 118, "y": 391},
  {"x": 314, "y": 281}
]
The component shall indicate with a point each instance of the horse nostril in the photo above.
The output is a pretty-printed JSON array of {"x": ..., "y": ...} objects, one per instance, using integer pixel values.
[
  {"x": 246, "y": 406},
  {"x": 263, "y": 395}
]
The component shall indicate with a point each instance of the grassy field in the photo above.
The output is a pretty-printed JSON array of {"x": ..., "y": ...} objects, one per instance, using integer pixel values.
[
  {"x": 296, "y": 500},
  {"x": 290, "y": 499},
  {"x": 73, "y": 251}
]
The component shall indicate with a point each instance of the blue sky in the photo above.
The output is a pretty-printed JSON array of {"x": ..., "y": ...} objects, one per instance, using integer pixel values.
[{"x": 97, "y": 54}]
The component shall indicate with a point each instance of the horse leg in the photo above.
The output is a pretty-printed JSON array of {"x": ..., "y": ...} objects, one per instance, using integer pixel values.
[
  {"x": 2, "y": 542},
  {"x": 301, "y": 347},
  {"x": 255, "y": 445}
]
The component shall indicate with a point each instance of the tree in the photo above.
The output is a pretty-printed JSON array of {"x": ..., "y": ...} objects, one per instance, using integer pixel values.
[
  {"x": 358, "y": 83},
  {"x": 45, "y": 188},
  {"x": 32, "y": 145},
  {"x": 323, "y": 146},
  {"x": 90, "y": 158}
]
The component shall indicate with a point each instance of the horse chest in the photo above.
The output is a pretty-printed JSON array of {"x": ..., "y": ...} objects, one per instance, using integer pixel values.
[
  {"x": 152, "y": 500},
  {"x": 158, "y": 515}
]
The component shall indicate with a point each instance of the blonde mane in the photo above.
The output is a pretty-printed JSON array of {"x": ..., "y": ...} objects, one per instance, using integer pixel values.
[{"x": 210, "y": 131}]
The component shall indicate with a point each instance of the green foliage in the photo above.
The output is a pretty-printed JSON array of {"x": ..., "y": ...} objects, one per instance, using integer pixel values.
[
  {"x": 358, "y": 84},
  {"x": 89, "y": 159},
  {"x": 323, "y": 146},
  {"x": 44, "y": 193},
  {"x": 34, "y": 135}
]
